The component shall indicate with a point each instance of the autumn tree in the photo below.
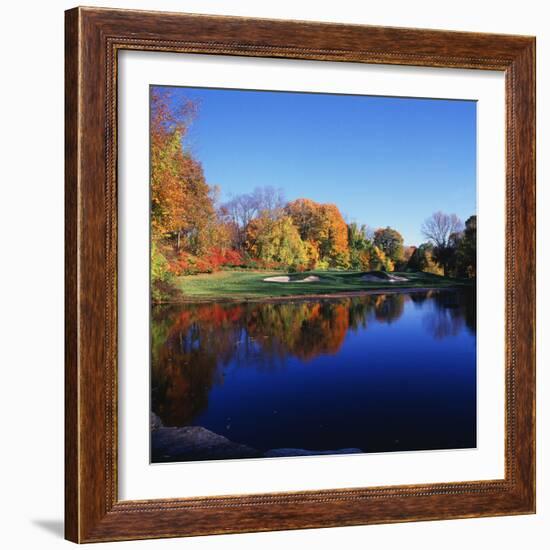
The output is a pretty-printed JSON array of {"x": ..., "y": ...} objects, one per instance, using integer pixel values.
[
  {"x": 198, "y": 225},
  {"x": 402, "y": 264},
  {"x": 379, "y": 260},
  {"x": 323, "y": 226},
  {"x": 270, "y": 200},
  {"x": 364, "y": 254},
  {"x": 276, "y": 240},
  {"x": 167, "y": 130},
  {"x": 181, "y": 203},
  {"x": 183, "y": 214},
  {"x": 422, "y": 259},
  {"x": 305, "y": 214},
  {"x": 390, "y": 241},
  {"x": 408, "y": 251},
  {"x": 242, "y": 209},
  {"x": 334, "y": 237}
]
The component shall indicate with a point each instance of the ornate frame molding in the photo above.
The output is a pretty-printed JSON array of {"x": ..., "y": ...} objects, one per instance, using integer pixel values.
[{"x": 93, "y": 38}]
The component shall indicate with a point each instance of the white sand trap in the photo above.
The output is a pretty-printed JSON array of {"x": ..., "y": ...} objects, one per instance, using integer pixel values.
[
  {"x": 310, "y": 279},
  {"x": 286, "y": 279},
  {"x": 388, "y": 279},
  {"x": 280, "y": 279}
]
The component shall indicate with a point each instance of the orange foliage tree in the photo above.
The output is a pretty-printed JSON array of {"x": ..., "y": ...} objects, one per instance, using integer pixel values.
[
  {"x": 182, "y": 208},
  {"x": 323, "y": 226}
]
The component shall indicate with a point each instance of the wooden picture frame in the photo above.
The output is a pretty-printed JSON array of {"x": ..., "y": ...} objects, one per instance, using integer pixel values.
[{"x": 93, "y": 510}]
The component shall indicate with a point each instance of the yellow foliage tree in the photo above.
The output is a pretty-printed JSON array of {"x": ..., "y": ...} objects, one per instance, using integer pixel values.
[
  {"x": 276, "y": 240},
  {"x": 324, "y": 226}
]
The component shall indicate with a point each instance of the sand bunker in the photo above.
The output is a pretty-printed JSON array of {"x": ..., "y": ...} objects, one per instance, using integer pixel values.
[
  {"x": 310, "y": 279},
  {"x": 383, "y": 279},
  {"x": 287, "y": 279}
]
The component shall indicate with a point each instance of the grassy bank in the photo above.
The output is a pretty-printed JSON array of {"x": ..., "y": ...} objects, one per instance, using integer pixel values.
[{"x": 242, "y": 285}]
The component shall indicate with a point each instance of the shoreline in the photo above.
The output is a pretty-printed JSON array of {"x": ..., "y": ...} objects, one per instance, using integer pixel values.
[
  {"x": 306, "y": 297},
  {"x": 192, "y": 443}
]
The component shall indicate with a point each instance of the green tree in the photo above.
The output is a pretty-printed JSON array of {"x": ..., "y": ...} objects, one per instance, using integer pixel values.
[
  {"x": 358, "y": 243},
  {"x": 363, "y": 253},
  {"x": 466, "y": 264},
  {"x": 422, "y": 259}
]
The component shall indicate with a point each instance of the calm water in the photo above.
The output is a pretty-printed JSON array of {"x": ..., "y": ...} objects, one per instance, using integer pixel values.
[{"x": 378, "y": 373}]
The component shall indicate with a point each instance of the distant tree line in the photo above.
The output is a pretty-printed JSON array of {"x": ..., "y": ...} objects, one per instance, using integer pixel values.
[{"x": 192, "y": 232}]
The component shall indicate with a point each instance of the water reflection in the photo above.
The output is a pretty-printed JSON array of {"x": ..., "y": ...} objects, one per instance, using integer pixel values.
[
  {"x": 452, "y": 311},
  {"x": 214, "y": 360}
]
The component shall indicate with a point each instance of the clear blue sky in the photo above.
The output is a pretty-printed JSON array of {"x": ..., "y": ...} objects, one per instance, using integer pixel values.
[{"x": 381, "y": 160}]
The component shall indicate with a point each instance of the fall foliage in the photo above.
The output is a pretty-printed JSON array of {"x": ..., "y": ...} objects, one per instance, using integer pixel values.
[
  {"x": 323, "y": 226},
  {"x": 192, "y": 233}
]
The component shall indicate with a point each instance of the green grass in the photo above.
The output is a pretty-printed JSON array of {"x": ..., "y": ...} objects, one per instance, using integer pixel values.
[{"x": 242, "y": 285}]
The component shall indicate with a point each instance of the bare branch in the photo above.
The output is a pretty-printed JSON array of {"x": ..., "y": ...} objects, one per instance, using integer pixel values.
[{"x": 439, "y": 227}]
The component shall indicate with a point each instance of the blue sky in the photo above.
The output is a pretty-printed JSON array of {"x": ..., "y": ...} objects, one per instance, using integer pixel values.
[{"x": 381, "y": 160}]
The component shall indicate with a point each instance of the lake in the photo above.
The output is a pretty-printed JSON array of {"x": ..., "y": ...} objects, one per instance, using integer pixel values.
[{"x": 374, "y": 373}]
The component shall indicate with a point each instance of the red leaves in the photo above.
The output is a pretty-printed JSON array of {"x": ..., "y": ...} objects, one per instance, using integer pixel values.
[{"x": 213, "y": 260}]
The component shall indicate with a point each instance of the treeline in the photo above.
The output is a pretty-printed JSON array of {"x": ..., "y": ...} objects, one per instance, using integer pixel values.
[
  {"x": 192, "y": 232},
  {"x": 450, "y": 249}
]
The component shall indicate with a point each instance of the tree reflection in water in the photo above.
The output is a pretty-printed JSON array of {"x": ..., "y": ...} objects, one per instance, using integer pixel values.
[
  {"x": 451, "y": 312},
  {"x": 193, "y": 345}
]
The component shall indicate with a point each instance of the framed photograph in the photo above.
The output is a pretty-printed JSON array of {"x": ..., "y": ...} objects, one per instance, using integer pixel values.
[{"x": 300, "y": 275}]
